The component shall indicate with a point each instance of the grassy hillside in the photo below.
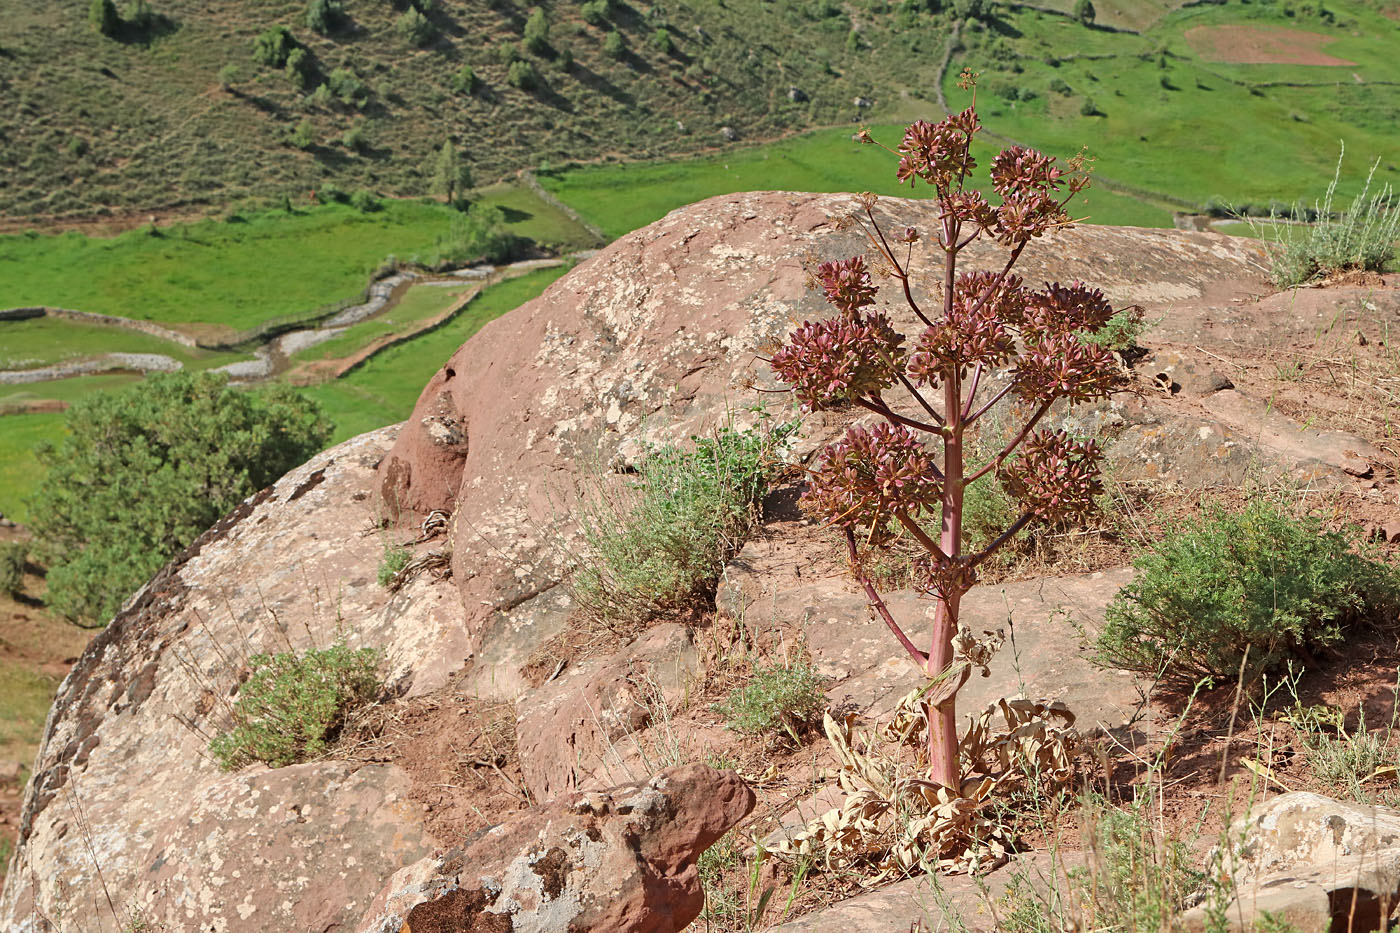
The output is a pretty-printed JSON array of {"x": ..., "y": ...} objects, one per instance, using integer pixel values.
[{"x": 178, "y": 112}]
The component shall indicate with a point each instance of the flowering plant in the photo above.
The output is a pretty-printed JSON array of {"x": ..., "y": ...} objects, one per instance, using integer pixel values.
[{"x": 907, "y": 474}]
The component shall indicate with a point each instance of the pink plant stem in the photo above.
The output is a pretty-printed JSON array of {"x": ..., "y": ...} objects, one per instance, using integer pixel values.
[
  {"x": 879, "y": 604},
  {"x": 1015, "y": 442},
  {"x": 942, "y": 718}
]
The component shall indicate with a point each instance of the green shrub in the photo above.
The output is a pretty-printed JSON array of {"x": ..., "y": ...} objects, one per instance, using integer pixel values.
[
  {"x": 13, "y": 555},
  {"x": 415, "y": 28},
  {"x": 395, "y": 559},
  {"x": 102, "y": 15},
  {"x": 661, "y": 40},
  {"x": 522, "y": 74},
  {"x": 300, "y": 68},
  {"x": 660, "y": 545},
  {"x": 1360, "y": 238},
  {"x": 478, "y": 233},
  {"x": 291, "y": 707},
  {"x": 324, "y": 16},
  {"x": 1121, "y": 332},
  {"x": 304, "y": 136},
  {"x": 1088, "y": 108},
  {"x": 1261, "y": 581},
  {"x": 228, "y": 76},
  {"x": 1084, "y": 11},
  {"x": 613, "y": 45},
  {"x": 464, "y": 81},
  {"x": 594, "y": 12},
  {"x": 347, "y": 86},
  {"x": 273, "y": 46},
  {"x": 142, "y": 471},
  {"x": 354, "y": 137},
  {"x": 365, "y": 201},
  {"x": 783, "y": 698},
  {"x": 537, "y": 31}
]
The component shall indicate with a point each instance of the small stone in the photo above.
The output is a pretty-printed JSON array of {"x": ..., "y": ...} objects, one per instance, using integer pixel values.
[{"x": 729, "y": 133}]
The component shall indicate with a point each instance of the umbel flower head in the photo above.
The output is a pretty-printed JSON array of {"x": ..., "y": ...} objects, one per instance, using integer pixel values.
[
  {"x": 1056, "y": 477},
  {"x": 872, "y": 474}
]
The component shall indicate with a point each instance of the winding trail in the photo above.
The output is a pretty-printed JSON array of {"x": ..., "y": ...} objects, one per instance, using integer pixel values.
[{"x": 273, "y": 356}]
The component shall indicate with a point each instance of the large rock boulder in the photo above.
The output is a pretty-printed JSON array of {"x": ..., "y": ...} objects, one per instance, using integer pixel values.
[
  {"x": 1316, "y": 863},
  {"x": 621, "y": 860},
  {"x": 657, "y": 337},
  {"x": 125, "y": 800}
]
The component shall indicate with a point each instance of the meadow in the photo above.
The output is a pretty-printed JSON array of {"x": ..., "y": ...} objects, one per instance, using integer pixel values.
[
  {"x": 384, "y": 389},
  {"x": 416, "y": 304},
  {"x": 217, "y": 276}
]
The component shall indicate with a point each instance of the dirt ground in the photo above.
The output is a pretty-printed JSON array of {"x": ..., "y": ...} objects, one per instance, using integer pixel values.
[{"x": 1262, "y": 45}]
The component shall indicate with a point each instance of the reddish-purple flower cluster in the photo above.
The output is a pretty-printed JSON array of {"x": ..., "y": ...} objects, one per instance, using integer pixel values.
[
  {"x": 939, "y": 152},
  {"x": 871, "y": 475},
  {"x": 847, "y": 284},
  {"x": 1056, "y": 477},
  {"x": 840, "y": 359}
]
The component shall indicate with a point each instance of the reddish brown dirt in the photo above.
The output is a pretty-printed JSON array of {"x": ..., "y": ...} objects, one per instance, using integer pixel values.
[
  {"x": 31, "y": 640},
  {"x": 1262, "y": 45},
  {"x": 458, "y": 751}
]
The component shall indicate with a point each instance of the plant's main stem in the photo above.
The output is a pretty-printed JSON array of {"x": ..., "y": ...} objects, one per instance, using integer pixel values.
[{"x": 942, "y": 717}]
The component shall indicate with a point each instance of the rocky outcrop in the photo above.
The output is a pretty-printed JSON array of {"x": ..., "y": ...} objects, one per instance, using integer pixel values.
[
  {"x": 652, "y": 340},
  {"x": 1313, "y": 862},
  {"x": 621, "y": 860},
  {"x": 124, "y": 795},
  {"x": 658, "y": 336}
]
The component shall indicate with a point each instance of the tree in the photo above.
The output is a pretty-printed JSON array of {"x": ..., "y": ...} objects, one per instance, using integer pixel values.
[
  {"x": 304, "y": 136},
  {"x": 882, "y": 482},
  {"x": 1084, "y": 11},
  {"x": 613, "y": 46},
  {"x": 102, "y": 15},
  {"x": 144, "y": 471},
  {"x": 415, "y": 28},
  {"x": 523, "y": 75},
  {"x": 464, "y": 81},
  {"x": 452, "y": 176},
  {"x": 300, "y": 68},
  {"x": 324, "y": 16},
  {"x": 537, "y": 31},
  {"x": 273, "y": 45}
]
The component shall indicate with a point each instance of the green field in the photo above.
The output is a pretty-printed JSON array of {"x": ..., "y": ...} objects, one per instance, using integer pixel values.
[
  {"x": 224, "y": 273},
  {"x": 1168, "y": 121},
  {"x": 19, "y": 469},
  {"x": 385, "y": 388},
  {"x": 44, "y": 341},
  {"x": 826, "y": 160},
  {"x": 417, "y": 304}
]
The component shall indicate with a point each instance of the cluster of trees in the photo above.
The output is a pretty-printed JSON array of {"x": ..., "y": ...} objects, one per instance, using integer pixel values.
[{"x": 142, "y": 472}]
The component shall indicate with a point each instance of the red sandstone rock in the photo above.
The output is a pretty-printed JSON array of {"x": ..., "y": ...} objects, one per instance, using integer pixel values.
[{"x": 614, "y": 861}]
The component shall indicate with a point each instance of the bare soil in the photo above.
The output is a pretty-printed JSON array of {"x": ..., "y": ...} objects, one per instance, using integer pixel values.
[{"x": 1262, "y": 45}]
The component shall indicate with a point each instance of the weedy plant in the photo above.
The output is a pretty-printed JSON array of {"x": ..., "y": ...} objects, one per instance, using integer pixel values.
[
  {"x": 395, "y": 558},
  {"x": 910, "y": 470},
  {"x": 785, "y": 698},
  {"x": 1362, "y": 237},
  {"x": 661, "y": 544},
  {"x": 292, "y": 706},
  {"x": 1253, "y": 590}
]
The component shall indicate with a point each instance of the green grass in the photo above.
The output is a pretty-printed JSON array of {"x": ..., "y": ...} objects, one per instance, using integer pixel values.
[
  {"x": 528, "y": 216},
  {"x": 1183, "y": 141},
  {"x": 19, "y": 469},
  {"x": 825, "y": 160},
  {"x": 63, "y": 390},
  {"x": 44, "y": 341},
  {"x": 418, "y": 303},
  {"x": 233, "y": 274},
  {"x": 384, "y": 390},
  {"x": 24, "y": 702}
]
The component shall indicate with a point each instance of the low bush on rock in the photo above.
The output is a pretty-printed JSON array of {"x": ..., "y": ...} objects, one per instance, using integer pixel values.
[
  {"x": 1258, "y": 588},
  {"x": 660, "y": 545},
  {"x": 292, "y": 706},
  {"x": 1360, "y": 238},
  {"x": 780, "y": 698},
  {"x": 395, "y": 559}
]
